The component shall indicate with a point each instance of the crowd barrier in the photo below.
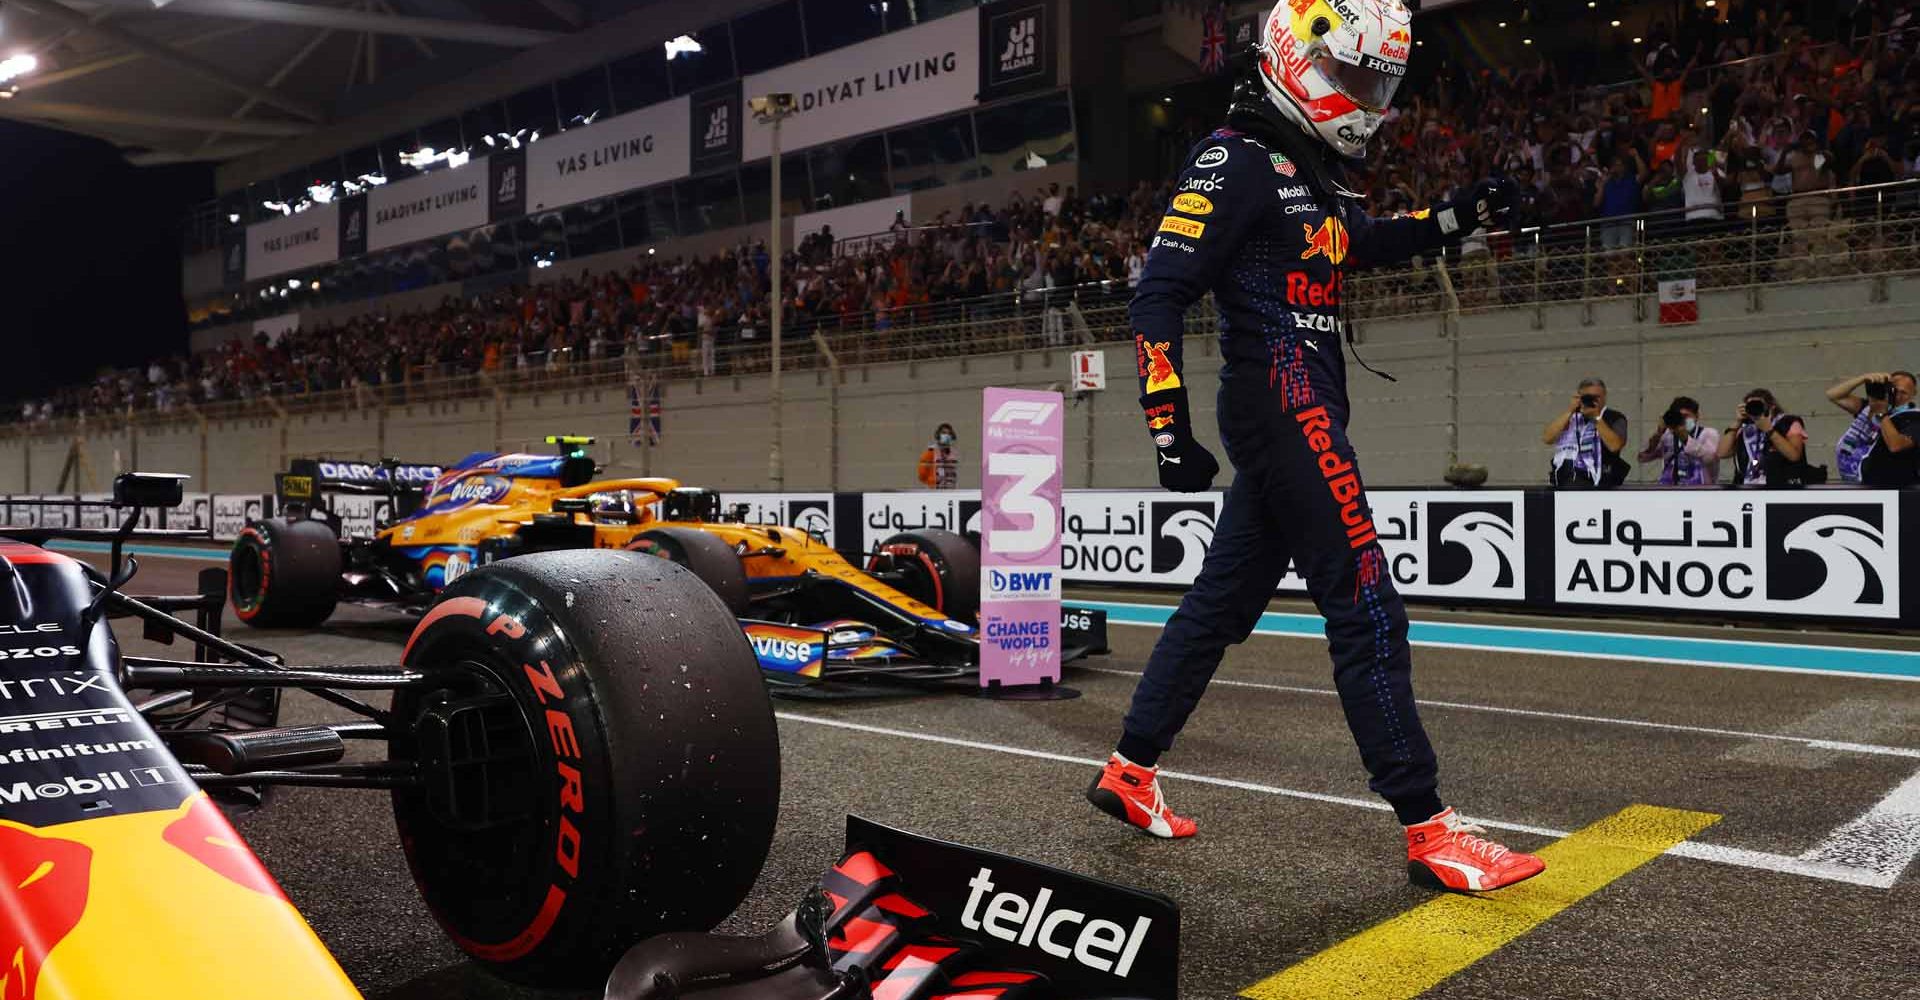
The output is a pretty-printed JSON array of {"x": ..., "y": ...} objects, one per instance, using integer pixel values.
[{"x": 1785, "y": 557}]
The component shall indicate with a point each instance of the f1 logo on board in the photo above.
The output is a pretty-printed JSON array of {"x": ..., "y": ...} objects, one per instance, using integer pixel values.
[{"x": 1018, "y": 411}]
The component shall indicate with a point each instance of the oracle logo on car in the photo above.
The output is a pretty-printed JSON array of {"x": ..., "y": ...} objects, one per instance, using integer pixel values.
[{"x": 1101, "y": 945}]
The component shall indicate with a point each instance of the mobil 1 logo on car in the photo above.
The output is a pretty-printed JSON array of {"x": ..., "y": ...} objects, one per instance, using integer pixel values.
[{"x": 1827, "y": 554}]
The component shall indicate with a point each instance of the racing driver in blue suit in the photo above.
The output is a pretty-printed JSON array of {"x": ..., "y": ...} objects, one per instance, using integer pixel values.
[{"x": 1261, "y": 218}]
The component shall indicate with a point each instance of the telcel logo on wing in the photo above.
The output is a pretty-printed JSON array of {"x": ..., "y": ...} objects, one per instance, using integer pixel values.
[
  {"x": 1022, "y": 583},
  {"x": 1101, "y": 945}
]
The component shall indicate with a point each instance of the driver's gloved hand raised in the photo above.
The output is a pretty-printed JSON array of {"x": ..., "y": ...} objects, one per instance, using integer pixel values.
[{"x": 1184, "y": 464}]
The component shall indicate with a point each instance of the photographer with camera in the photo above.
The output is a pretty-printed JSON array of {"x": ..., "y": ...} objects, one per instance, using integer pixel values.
[
  {"x": 1893, "y": 459},
  {"x": 1864, "y": 430},
  {"x": 1587, "y": 440},
  {"x": 1768, "y": 447},
  {"x": 1688, "y": 452}
]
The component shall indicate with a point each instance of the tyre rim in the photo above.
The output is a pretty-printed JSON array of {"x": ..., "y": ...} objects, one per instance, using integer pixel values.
[
  {"x": 245, "y": 570},
  {"x": 492, "y": 774}
]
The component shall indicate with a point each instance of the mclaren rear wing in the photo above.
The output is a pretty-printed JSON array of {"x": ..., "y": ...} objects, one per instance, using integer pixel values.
[{"x": 307, "y": 481}]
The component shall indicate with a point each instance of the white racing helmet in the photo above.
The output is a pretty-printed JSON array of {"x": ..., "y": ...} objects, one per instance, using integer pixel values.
[{"x": 1332, "y": 66}]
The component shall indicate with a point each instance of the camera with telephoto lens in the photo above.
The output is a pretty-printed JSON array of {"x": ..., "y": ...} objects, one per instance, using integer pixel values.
[
  {"x": 1756, "y": 408},
  {"x": 1588, "y": 401},
  {"x": 1674, "y": 419},
  {"x": 1878, "y": 390}
]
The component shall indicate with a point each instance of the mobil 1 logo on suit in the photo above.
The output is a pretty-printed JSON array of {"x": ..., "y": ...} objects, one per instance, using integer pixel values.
[{"x": 1828, "y": 554}]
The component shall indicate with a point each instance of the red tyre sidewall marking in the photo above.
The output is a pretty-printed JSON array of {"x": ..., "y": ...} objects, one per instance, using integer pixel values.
[{"x": 529, "y": 937}]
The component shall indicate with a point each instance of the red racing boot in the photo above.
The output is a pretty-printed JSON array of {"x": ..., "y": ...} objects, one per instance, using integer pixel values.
[
  {"x": 1131, "y": 793},
  {"x": 1445, "y": 853}
]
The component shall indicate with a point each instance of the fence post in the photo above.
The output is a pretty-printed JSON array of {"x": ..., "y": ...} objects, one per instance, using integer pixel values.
[
  {"x": 833, "y": 410},
  {"x": 1586, "y": 274},
  {"x": 1450, "y": 329}
]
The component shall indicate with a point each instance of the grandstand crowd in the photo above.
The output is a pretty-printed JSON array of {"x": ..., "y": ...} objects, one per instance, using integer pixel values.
[{"x": 1737, "y": 107}]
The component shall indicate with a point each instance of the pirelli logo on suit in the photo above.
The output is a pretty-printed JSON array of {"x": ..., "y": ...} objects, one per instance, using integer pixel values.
[{"x": 1184, "y": 227}]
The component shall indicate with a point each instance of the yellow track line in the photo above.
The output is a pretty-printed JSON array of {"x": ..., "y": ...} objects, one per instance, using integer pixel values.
[{"x": 1404, "y": 956}]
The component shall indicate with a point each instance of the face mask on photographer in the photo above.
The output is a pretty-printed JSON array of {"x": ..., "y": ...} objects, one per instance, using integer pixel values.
[{"x": 1692, "y": 425}]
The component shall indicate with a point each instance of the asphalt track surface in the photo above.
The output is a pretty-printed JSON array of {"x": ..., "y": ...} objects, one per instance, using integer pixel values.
[{"x": 1801, "y": 888}]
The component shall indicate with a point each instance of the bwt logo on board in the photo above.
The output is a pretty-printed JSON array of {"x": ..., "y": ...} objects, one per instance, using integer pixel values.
[{"x": 1022, "y": 583}]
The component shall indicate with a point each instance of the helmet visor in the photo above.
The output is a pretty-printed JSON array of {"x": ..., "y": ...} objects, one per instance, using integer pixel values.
[{"x": 1370, "y": 85}]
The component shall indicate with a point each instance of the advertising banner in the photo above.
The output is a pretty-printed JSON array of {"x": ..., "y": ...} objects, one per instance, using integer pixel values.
[
  {"x": 293, "y": 242},
  {"x": 809, "y": 512},
  {"x": 1824, "y": 553},
  {"x": 232, "y": 511},
  {"x": 635, "y": 150},
  {"x": 714, "y": 132},
  {"x": 428, "y": 205},
  {"x": 887, "y": 514},
  {"x": 506, "y": 185},
  {"x": 1021, "y": 451},
  {"x": 1017, "y": 45},
  {"x": 233, "y": 257},
  {"x": 897, "y": 78},
  {"x": 353, "y": 226},
  {"x": 195, "y": 512}
]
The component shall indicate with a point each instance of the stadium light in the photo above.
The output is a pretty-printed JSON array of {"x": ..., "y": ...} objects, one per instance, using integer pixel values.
[
  {"x": 1616, "y": 23},
  {"x": 684, "y": 45},
  {"x": 772, "y": 110},
  {"x": 1636, "y": 39},
  {"x": 17, "y": 66}
]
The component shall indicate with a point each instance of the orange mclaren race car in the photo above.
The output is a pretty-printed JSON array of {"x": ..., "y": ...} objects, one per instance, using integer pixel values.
[
  {"x": 541, "y": 851},
  {"x": 813, "y": 616}
]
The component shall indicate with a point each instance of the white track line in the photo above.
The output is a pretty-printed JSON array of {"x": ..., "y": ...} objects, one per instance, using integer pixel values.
[
  {"x": 1807, "y": 741},
  {"x": 1819, "y": 868},
  {"x": 1885, "y": 839}
]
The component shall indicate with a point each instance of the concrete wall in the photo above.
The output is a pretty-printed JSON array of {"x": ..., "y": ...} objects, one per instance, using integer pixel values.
[{"x": 1517, "y": 369}]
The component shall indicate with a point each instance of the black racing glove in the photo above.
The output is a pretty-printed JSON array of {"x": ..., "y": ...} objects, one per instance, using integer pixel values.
[
  {"x": 1485, "y": 207},
  {"x": 1185, "y": 465}
]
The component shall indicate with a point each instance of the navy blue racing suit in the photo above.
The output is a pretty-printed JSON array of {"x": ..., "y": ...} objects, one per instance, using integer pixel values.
[{"x": 1250, "y": 223}]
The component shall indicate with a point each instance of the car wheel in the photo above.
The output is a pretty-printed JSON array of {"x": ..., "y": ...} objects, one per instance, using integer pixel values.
[
  {"x": 284, "y": 574},
  {"x": 935, "y": 567},
  {"x": 599, "y": 761},
  {"x": 710, "y": 559}
]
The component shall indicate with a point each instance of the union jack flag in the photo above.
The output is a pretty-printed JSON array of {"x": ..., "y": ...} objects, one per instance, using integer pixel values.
[
  {"x": 644, "y": 417},
  {"x": 1213, "y": 40}
]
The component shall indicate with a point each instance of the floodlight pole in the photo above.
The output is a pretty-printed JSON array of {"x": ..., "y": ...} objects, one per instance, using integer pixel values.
[{"x": 774, "y": 112}]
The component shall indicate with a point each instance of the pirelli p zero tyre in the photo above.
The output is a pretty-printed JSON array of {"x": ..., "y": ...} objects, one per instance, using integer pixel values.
[
  {"x": 284, "y": 574},
  {"x": 710, "y": 559},
  {"x": 935, "y": 567},
  {"x": 598, "y": 758}
]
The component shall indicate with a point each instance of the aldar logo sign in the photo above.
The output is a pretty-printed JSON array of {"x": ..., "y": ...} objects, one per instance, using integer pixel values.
[
  {"x": 1016, "y": 48},
  {"x": 716, "y": 127},
  {"x": 506, "y": 185},
  {"x": 353, "y": 226},
  {"x": 1828, "y": 554}
]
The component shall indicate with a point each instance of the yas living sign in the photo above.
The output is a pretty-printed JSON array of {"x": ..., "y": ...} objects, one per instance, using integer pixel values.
[{"x": 635, "y": 150}]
